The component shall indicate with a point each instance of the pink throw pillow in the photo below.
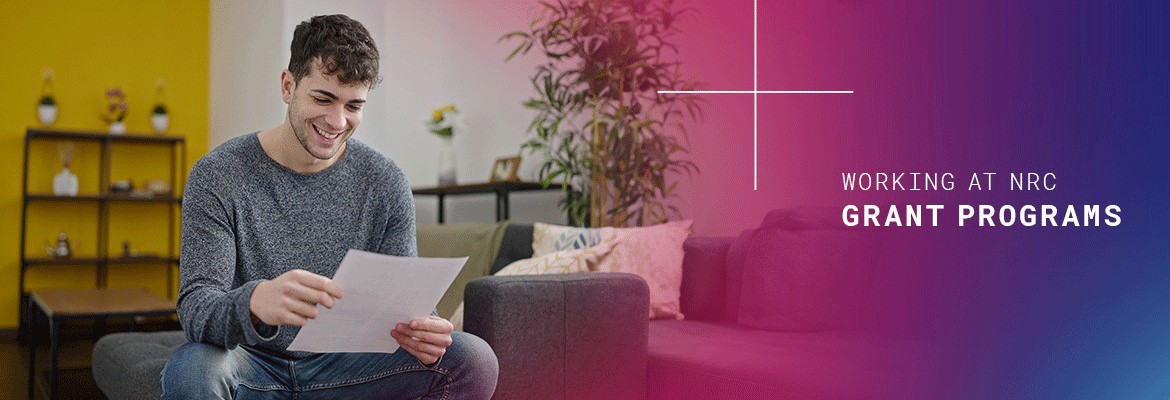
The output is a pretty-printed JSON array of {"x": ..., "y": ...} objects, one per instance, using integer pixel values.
[{"x": 656, "y": 254}]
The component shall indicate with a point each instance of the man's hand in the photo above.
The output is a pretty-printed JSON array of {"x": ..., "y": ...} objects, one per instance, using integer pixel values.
[
  {"x": 292, "y": 298},
  {"x": 425, "y": 338}
]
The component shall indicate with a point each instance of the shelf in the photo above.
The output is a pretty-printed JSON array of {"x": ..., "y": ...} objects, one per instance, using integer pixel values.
[
  {"x": 485, "y": 187},
  {"x": 112, "y": 209},
  {"x": 141, "y": 260},
  {"x": 155, "y": 198},
  {"x": 99, "y": 260},
  {"x": 102, "y": 197},
  {"x": 62, "y": 261},
  {"x": 502, "y": 190},
  {"x": 53, "y": 197},
  {"x": 99, "y": 136}
]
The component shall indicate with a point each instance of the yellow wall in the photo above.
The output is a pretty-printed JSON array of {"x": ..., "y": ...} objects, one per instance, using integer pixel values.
[{"x": 92, "y": 46}]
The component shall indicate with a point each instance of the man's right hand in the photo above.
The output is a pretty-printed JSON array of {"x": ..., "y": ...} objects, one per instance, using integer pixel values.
[{"x": 292, "y": 298}]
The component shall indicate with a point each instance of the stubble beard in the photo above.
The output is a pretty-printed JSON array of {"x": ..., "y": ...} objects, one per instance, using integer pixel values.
[{"x": 300, "y": 129}]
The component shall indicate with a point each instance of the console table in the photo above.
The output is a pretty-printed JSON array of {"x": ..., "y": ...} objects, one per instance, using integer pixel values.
[{"x": 501, "y": 189}]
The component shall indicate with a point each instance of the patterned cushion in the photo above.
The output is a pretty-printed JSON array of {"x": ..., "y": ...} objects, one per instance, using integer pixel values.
[
  {"x": 548, "y": 238},
  {"x": 561, "y": 262}
]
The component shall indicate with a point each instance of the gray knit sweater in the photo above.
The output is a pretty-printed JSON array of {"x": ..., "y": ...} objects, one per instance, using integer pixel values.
[{"x": 247, "y": 218}]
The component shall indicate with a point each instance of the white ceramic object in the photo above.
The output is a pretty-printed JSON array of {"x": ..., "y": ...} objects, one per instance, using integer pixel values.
[
  {"x": 65, "y": 183},
  {"x": 47, "y": 114},
  {"x": 117, "y": 127},
  {"x": 447, "y": 162},
  {"x": 160, "y": 122}
]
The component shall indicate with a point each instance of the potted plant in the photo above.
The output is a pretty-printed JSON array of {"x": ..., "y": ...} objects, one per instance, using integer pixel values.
[
  {"x": 603, "y": 128},
  {"x": 47, "y": 110},
  {"x": 115, "y": 110},
  {"x": 159, "y": 119},
  {"x": 442, "y": 123},
  {"x": 47, "y": 107}
]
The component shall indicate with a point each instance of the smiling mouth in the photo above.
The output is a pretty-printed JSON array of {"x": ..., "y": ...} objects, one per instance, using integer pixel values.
[{"x": 329, "y": 136}]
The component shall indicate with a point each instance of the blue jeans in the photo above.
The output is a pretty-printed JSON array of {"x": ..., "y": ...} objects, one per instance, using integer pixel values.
[{"x": 468, "y": 370}]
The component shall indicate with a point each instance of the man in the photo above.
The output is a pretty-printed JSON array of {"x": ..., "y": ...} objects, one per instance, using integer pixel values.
[{"x": 267, "y": 218}]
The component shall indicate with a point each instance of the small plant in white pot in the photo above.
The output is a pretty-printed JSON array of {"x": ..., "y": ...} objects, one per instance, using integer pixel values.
[
  {"x": 159, "y": 119},
  {"x": 47, "y": 110},
  {"x": 47, "y": 107}
]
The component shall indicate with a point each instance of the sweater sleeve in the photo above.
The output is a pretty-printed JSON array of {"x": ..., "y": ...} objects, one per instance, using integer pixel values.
[
  {"x": 400, "y": 238},
  {"x": 209, "y": 309}
]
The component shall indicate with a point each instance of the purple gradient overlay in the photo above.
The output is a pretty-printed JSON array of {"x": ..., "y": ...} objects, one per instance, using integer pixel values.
[{"x": 1076, "y": 89}]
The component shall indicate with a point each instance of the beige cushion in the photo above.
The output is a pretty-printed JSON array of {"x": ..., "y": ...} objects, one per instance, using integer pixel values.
[{"x": 480, "y": 243}]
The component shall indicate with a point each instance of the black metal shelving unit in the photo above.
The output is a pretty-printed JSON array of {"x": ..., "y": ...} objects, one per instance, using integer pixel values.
[{"x": 103, "y": 260}]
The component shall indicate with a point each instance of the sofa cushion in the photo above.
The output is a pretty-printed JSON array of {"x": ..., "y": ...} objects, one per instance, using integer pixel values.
[
  {"x": 516, "y": 245},
  {"x": 480, "y": 243},
  {"x": 733, "y": 274},
  {"x": 705, "y": 360},
  {"x": 127, "y": 365},
  {"x": 806, "y": 280},
  {"x": 703, "y": 293},
  {"x": 656, "y": 254},
  {"x": 548, "y": 238},
  {"x": 803, "y": 218}
]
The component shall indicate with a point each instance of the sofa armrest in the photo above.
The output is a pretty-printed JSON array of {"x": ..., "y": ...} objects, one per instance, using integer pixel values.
[{"x": 563, "y": 336}]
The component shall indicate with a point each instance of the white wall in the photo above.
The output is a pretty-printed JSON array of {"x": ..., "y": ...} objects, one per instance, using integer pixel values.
[
  {"x": 245, "y": 53},
  {"x": 433, "y": 53}
]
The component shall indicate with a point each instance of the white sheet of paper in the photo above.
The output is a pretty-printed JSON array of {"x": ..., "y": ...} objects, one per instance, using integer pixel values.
[{"x": 380, "y": 291}]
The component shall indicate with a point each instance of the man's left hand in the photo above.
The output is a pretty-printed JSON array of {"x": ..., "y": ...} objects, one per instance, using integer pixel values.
[{"x": 426, "y": 338}]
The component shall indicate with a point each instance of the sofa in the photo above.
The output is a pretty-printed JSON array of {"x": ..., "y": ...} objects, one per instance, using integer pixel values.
[
  {"x": 127, "y": 365},
  {"x": 817, "y": 336},
  {"x": 752, "y": 328}
]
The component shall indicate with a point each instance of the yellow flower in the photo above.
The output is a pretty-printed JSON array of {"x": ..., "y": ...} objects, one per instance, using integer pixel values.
[
  {"x": 438, "y": 115},
  {"x": 449, "y": 107}
]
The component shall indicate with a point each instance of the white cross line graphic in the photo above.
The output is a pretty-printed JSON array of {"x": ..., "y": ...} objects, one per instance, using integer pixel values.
[{"x": 755, "y": 92}]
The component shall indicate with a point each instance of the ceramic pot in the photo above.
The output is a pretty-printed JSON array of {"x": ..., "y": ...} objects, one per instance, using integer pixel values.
[
  {"x": 160, "y": 122},
  {"x": 47, "y": 114},
  {"x": 117, "y": 127}
]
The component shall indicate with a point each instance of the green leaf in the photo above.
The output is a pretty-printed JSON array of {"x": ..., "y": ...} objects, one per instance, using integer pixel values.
[{"x": 510, "y": 35}]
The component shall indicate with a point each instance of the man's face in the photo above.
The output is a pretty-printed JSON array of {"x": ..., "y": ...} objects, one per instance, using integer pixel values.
[{"x": 323, "y": 112}]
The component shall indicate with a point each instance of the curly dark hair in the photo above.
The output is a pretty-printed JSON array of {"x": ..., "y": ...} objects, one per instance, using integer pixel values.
[{"x": 344, "y": 46}]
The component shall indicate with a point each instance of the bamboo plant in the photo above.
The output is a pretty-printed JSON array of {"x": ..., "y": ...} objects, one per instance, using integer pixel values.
[{"x": 603, "y": 127}]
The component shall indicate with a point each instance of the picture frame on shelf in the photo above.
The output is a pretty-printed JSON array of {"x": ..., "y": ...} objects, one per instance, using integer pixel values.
[{"x": 506, "y": 169}]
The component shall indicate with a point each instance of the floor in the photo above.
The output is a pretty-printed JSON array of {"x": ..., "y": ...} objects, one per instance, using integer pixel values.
[{"x": 76, "y": 382}]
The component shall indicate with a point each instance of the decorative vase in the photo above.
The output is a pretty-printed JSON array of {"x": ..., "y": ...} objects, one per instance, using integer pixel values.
[
  {"x": 159, "y": 122},
  {"x": 117, "y": 127},
  {"x": 65, "y": 183},
  {"x": 47, "y": 114},
  {"x": 447, "y": 162}
]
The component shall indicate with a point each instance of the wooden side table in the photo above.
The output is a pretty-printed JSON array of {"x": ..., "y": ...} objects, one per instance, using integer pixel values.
[
  {"x": 58, "y": 305},
  {"x": 502, "y": 190}
]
